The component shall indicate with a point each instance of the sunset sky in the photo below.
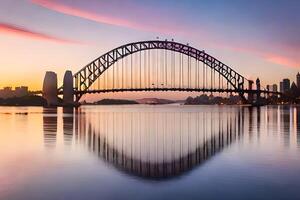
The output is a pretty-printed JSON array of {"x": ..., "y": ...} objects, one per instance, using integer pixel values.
[{"x": 256, "y": 38}]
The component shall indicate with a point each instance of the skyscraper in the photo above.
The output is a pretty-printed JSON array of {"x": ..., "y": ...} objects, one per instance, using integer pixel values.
[
  {"x": 286, "y": 85},
  {"x": 281, "y": 87},
  {"x": 274, "y": 88}
]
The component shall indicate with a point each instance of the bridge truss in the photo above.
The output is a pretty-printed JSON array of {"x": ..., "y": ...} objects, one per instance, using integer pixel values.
[{"x": 157, "y": 66}]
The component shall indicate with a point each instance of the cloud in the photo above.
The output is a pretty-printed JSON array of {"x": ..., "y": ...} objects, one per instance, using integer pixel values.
[
  {"x": 284, "y": 61},
  {"x": 69, "y": 10},
  {"x": 105, "y": 18},
  {"x": 279, "y": 58},
  {"x": 23, "y": 32}
]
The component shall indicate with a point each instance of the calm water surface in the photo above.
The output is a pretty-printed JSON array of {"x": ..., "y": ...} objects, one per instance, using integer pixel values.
[{"x": 150, "y": 152}]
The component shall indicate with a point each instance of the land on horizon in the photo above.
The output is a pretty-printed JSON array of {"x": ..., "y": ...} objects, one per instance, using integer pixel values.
[{"x": 203, "y": 99}]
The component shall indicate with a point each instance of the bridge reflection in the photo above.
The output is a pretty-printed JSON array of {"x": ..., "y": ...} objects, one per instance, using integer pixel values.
[
  {"x": 50, "y": 127},
  {"x": 160, "y": 144},
  {"x": 68, "y": 125},
  {"x": 154, "y": 144}
]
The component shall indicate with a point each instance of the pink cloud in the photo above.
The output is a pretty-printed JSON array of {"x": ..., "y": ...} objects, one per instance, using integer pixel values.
[
  {"x": 104, "y": 18},
  {"x": 281, "y": 60},
  {"x": 60, "y": 7},
  {"x": 23, "y": 32},
  {"x": 287, "y": 60}
]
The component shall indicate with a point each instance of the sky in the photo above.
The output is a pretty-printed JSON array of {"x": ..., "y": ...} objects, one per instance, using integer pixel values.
[{"x": 259, "y": 38}]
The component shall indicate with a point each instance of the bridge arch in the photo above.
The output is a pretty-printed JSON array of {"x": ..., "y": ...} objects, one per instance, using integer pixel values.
[{"x": 86, "y": 76}]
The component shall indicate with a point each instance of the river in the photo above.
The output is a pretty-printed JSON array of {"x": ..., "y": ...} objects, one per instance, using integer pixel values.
[{"x": 150, "y": 152}]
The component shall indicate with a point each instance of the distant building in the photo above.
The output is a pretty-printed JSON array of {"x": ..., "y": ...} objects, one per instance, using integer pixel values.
[
  {"x": 8, "y": 92},
  {"x": 268, "y": 88},
  {"x": 281, "y": 87},
  {"x": 7, "y": 89},
  {"x": 294, "y": 89},
  {"x": 275, "y": 88},
  {"x": 298, "y": 80},
  {"x": 286, "y": 85},
  {"x": 293, "y": 86},
  {"x": 21, "y": 91}
]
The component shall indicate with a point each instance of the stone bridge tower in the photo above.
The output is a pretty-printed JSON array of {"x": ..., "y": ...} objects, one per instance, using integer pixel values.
[
  {"x": 68, "y": 89},
  {"x": 50, "y": 88}
]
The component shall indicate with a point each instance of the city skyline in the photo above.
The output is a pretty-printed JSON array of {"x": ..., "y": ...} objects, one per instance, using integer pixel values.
[{"x": 74, "y": 33}]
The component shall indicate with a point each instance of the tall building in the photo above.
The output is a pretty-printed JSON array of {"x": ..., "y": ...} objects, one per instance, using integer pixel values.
[
  {"x": 298, "y": 80},
  {"x": 281, "y": 87},
  {"x": 275, "y": 88},
  {"x": 286, "y": 85},
  {"x": 293, "y": 88}
]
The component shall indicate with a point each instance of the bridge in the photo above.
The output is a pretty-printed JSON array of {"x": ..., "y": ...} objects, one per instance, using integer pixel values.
[{"x": 152, "y": 66}]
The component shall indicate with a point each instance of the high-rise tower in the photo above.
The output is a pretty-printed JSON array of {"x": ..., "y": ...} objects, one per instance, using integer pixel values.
[{"x": 298, "y": 80}]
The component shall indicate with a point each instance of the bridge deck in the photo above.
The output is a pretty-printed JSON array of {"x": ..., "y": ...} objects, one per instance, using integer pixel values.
[{"x": 175, "y": 89}]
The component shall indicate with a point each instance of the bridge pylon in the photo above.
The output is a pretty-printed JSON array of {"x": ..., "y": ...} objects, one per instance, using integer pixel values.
[
  {"x": 50, "y": 88},
  {"x": 68, "y": 89},
  {"x": 250, "y": 95},
  {"x": 258, "y": 92}
]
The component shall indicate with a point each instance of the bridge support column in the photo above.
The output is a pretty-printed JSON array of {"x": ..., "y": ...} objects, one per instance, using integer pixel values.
[
  {"x": 250, "y": 95},
  {"x": 68, "y": 89},
  {"x": 258, "y": 100},
  {"x": 50, "y": 88}
]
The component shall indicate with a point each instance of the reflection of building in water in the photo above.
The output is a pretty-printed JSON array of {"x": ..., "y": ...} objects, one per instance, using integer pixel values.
[
  {"x": 274, "y": 114},
  {"x": 50, "y": 127},
  {"x": 285, "y": 119},
  {"x": 250, "y": 111},
  {"x": 68, "y": 117},
  {"x": 297, "y": 121},
  {"x": 258, "y": 112},
  {"x": 158, "y": 145}
]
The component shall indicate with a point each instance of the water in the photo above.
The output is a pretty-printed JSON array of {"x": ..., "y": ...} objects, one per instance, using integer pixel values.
[{"x": 150, "y": 152}]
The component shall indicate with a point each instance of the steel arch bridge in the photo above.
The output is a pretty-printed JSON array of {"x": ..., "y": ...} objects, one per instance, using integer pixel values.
[{"x": 159, "y": 66}]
